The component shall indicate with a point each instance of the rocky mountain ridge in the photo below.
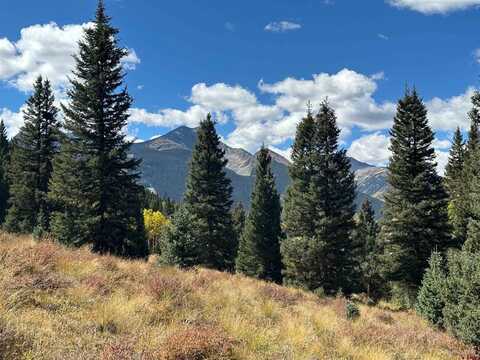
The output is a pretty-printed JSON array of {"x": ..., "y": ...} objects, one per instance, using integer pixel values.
[{"x": 166, "y": 158}]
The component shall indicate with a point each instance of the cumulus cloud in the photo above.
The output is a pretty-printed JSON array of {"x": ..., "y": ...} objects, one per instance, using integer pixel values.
[
  {"x": 447, "y": 114},
  {"x": 274, "y": 123},
  {"x": 282, "y": 26},
  {"x": 372, "y": 149},
  {"x": 435, "y": 6},
  {"x": 349, "y": 92},
  {"x": 45, "y": 50},
  {"x": 13, "y": 120}
]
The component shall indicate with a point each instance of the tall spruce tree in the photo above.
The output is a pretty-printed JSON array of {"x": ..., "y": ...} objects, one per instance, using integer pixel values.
[
  {"x": 238, "y": 221},
  {"x": 298, "y": 214},
  {"x": 31, "y": 162},
  {"x": 464, "y": 205},
  {"x": 259, "y": 250},
  {"x": 455, "y": 186},
  {"x": 4, "y": 162},
  {"x": 94, "y": 185},
  {"x": 472, "y": 241},
  {"x": 208, "y": 199},
  {"x": 415, "y": 215},
  {"x": 320, "y": 253},
  {"x": 367, "y": 251}
]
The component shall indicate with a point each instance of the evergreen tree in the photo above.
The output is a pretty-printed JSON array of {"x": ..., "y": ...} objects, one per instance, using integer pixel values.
[
  {"x": 150, "y": 200},
  {"x": 259, "y": 250},
  {"x": 461, "y": 315},
  {"x": 430, "y": 300},
  {"x": 31, "y": 162},
  {"x": 238, "y": 221},
  {"x": 455, "y": 186},
  {"x": 474, "y": 115},
  {"x": 208, "y": 199},
  {"x": 4, "y": 161},
  {"x": 462, "y": 205},
  {"x": 94, "y": 185},
  {"x": 368, "y": 250},
  {"x": 415, "y": 215},
  {"x": 178, "y": 244},
  {"x": 298, "y": 210},
  {"x": 326, "y": 210},
  {"x": 472, "y": 242}
]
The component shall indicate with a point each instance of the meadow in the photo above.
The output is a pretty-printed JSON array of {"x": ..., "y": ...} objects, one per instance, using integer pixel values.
[{"x": 60, "y": 303}]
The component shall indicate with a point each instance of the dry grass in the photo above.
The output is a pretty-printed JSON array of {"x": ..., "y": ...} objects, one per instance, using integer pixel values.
[{"x": 58, "y": 303}]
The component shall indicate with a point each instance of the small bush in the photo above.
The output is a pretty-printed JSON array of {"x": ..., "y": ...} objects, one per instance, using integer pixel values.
[
  {"x": 430, "y": 301},
  {"x": 198, "y": 343},
  {"x": 352, "y": 311},
  {"x": 403, "y": 295},
  {"x": 169, "y": 287},
  {"x": 118, "y": 351},
  {"x": 12, "y": 344},
  {"x": 280, "y": 294}
]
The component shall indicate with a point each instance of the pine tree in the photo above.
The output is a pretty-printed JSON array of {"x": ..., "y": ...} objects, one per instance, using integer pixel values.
[
  {"x": 474, "y": 115},
  {"x": 208, "y": 198},
  {"x": 178, "y": 244},
  {"x": 367, "y": 250},
  {"x": 472, "y": 241},
  {"x": 430, "y": 299},
  {"x": 298, "y": 211},
  {"x": 238, "y": 221},
  {"x": 461, "y": 315},
  {"x": 415, "y": 215},
  {"x": 31, "y": 162},
  {"x": 259, "y": 250},
  {"x": 455, "y": 186},
  {"x": 326, "y": 208},
  {"x": 4, "y": 161},
  {"x": 461, "y": 206},
  {"x": 94, "y": 185}
]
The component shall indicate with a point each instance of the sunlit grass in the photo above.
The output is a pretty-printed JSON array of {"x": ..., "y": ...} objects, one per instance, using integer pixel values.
[{"x": 59, "y": 303}]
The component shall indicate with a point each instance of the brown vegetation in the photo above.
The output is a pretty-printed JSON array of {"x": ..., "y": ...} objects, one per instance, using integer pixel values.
[{"x": 59, "y": 303}]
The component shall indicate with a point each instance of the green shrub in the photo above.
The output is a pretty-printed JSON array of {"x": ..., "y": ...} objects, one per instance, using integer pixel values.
[
  {"x": 462, "y": 296},
  {"x": 403, "y": 295},
  {"x": 352, "y": 311},
  {"x": 430, "y": 299}
]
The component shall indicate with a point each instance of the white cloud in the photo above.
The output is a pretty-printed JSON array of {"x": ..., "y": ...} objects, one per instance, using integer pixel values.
[
  {"x": 13, "y": 120},
  {"x": 447, "y": 114},
  {"x": 435, "y": 6},
  {"x": 45, "y": 50},
  {"x": 168, "y": 117},
  {"x": 349, "y": 92},
  {"x": 282, "y": 26},
  {"x": 372, "y": 149},
  {"x": 131, "y": 60},
  {"x": 383, "y": 36},
  {"x": 441, "y": 144},
  {"x": 442, "y": 161}
]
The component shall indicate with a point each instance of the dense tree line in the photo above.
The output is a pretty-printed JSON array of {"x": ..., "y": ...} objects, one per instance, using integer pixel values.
[{"x": 74, "y": 181}]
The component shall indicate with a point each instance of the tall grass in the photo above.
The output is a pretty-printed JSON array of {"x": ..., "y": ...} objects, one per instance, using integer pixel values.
[{"x": 59, "y": 303}]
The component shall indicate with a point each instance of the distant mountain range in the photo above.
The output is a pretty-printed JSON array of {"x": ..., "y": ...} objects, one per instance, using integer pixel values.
[{"x": 166, "y": 158}]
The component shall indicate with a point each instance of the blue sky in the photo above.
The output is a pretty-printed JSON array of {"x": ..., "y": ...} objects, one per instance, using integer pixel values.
[{"x": 255, "y": 64}]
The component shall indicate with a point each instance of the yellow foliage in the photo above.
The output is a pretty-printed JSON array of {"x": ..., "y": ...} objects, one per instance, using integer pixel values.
[{"x": 155, "y": 224}]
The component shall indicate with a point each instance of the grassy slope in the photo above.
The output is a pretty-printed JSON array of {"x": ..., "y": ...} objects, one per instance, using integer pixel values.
[{"x": 57, "y": 303}]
